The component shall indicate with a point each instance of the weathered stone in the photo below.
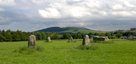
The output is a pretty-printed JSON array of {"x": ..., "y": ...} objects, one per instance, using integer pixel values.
[
  {"x": 71, "y": 38},
  {"x": 102, "y": 38},
  {"x": 49, "y": 39},
  {"x": 32, "y": 41},
  {"x": 106, "y": 38},
  {"x": 86, "y": 41}
]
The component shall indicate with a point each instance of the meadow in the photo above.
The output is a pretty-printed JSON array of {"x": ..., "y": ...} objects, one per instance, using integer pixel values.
[{"x": 62, "y": 52}]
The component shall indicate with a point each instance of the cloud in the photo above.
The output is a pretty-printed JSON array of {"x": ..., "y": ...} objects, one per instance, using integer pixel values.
[
  {"x": 94, "y": 14},
  {"x": 49, "y": 13},
  {"x": 128, "y": 4},
  {"x": 7, "y": 3},
  {"x": 122, "y": 13},
  {"x": 2, "y": 9}
]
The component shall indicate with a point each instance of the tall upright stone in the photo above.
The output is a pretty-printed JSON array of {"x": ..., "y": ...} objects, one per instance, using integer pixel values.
[
  {"x": 106, "y": 38},
  {"x": 86, "y": 41},
  {"x": 32, "y": 41},
  {"x": 70, "y": 38},
  {"x": 48, "y": 39}
]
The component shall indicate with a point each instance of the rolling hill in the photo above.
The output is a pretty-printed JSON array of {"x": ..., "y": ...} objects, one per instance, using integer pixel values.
[{"x": 67, "y": 29}]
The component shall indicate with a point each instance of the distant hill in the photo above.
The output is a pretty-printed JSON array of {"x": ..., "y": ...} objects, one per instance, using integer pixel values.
[{"x": 67, "y": 29}]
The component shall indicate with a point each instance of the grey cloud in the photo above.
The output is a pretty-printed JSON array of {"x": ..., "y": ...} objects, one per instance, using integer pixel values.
[
  {"x": 99, "y": 15},
  {"x": 7, "y": 3}
]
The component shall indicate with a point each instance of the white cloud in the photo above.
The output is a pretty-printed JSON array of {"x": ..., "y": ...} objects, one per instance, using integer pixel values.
[
  {"x": 118, "y": 7},
  {"x": 93, "y": 4},
  {"x": 7, "y": 3},
  {"x": 123, "y": 13},
  {"x": 39, "y": 2},
  {"x": 49, "y": 13},
  {"x": 79, "y": 11},
  {"x": 128, "y": 4}
]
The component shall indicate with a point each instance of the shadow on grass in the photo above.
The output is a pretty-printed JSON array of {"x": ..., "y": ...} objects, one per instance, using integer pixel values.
[
  {"x": 29, "y": 50},
  {"x": 48, "y": 41},
  {"x": 71, "y": 41},
  {"x": 104, "y": 42},
  {"x": 92, "y": 47}
]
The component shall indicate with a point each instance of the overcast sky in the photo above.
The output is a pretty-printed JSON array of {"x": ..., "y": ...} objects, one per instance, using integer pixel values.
[{"x": 31, "y": 15}]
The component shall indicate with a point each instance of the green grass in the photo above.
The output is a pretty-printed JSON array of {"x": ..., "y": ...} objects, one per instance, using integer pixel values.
[{"x": 62, "y": 52}]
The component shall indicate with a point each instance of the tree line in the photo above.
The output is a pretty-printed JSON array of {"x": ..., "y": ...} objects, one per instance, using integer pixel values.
[{"x": 18, "y": 35}]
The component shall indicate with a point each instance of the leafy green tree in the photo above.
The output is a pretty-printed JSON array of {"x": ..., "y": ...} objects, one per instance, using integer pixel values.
[
  {"x": 38, "y": 36},
  {"x": 44, "y": 37},
  {"x": 55, "y": 36},
  {"x": 66, "y": 35},
  {"x": 2, "y": 38},
  {"x": 118, "y": 35},
  {"x": 79, "y": 35},
  {"x": 96, "y": 34},
  {"x": 108, "y": 34},
  {"x": 16, "y": 36},
  {"x": 74, "y": 36},
  {"x": 7, "y": 35},
  {"x": 90, "y": 34}
]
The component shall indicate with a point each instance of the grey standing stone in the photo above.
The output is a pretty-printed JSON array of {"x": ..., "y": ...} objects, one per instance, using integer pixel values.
[
  {"x": 106, "y": 38},
  {"x": 86, "y": 41},
  {"x": 32, "y": 41},
  {"x": 49, "y": 39},
  {"x": 71, "y": 38}
]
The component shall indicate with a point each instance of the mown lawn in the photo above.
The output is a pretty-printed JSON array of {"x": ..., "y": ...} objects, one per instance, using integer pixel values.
[{"x": 61, "y": 52}]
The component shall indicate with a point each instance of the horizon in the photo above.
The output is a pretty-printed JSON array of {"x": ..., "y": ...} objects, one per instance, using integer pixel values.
[
  {"x": 102, "y": 15},
  {"x": 77, "y": 27}
]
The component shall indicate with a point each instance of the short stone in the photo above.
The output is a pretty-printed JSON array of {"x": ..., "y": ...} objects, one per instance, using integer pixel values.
[
  {"x": 71, "y": 38},
  {"x": 48, "y": 39},
  {"x": 32, "y": 41}
]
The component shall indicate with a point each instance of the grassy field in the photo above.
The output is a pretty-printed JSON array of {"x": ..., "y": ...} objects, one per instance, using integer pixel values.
[{"x": 61, "y": 52}]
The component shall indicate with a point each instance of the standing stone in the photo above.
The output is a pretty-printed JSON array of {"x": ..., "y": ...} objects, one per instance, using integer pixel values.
[
  {"x": 86, "y": 41},
  {"x": 32, "y": 41},
  {"x": 106, "y": 38},
  {"x": 48, "y": 39},
  {"x": 71, "y": 38}
]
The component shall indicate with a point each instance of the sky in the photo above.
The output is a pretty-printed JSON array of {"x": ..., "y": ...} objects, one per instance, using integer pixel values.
[{"x": 32, "y": 15}]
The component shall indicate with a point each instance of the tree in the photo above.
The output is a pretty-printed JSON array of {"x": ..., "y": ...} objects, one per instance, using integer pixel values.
[
  {"x": 79, "y": 35},
  {"x": 96, "y": 34},
  {"x": 74, "y": 36},
  {"x": 118, "y": 35},
  {"x": 16, "y": 36},
  {"x": 43, "y": 36},
  {"x": 2, "y": 38},
  {"x": 7, "y": 35},
  {"x": 66, "y": 35},
  {"x": 38, "y": 36},
  {"x": 55, "y": 36},
  {"x": 90, "y": 34}
]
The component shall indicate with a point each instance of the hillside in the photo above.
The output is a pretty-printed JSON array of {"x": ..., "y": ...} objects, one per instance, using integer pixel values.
[{"x": 67, "y": 29}]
